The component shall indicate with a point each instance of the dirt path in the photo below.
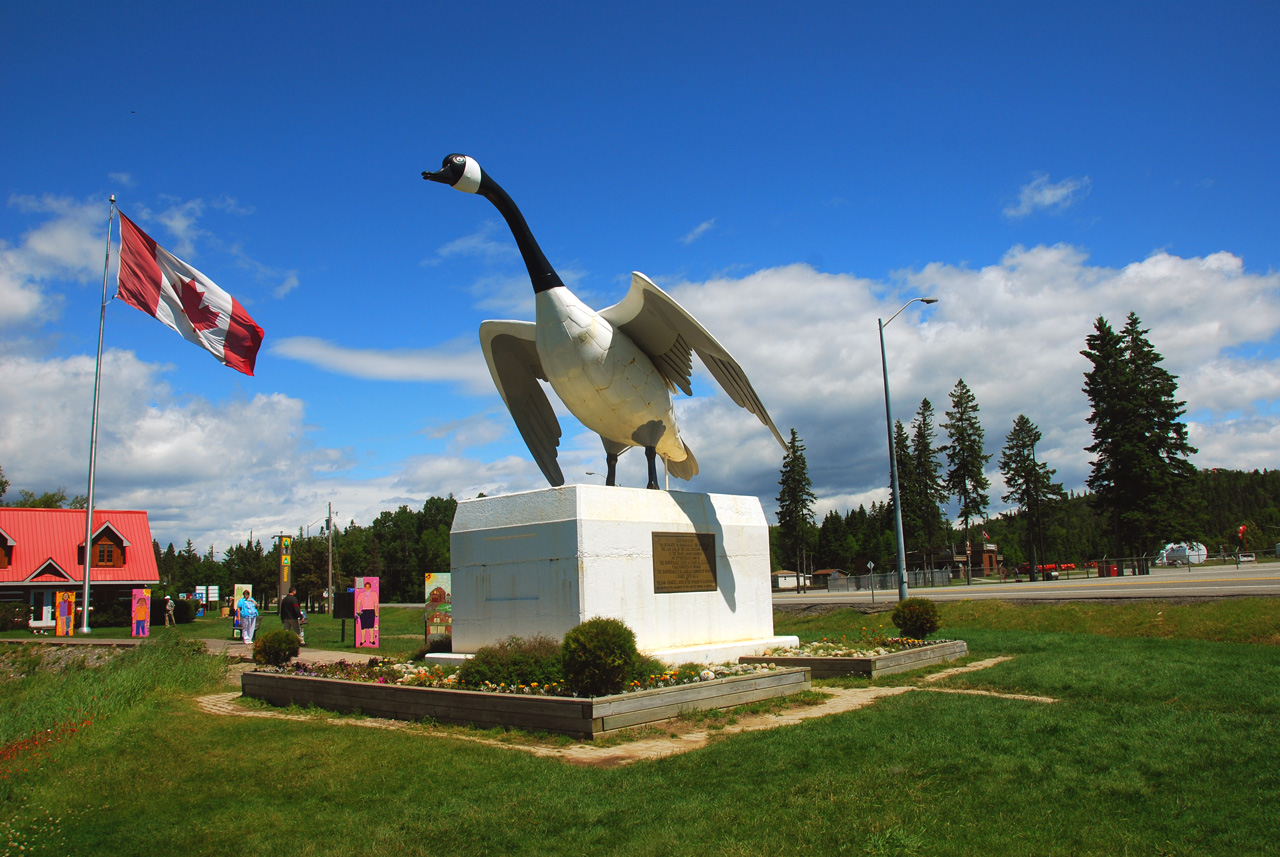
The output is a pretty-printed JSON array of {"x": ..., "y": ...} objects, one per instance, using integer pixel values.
[{"x": 677, "y": 736}]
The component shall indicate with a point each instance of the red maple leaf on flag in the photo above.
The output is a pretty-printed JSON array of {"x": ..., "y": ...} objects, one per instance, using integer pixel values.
[{"x": 201, "y": 317}]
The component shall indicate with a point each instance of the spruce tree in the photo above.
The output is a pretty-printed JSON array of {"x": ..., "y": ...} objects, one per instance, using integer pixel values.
[
  {"x": 795, "y": 504},
  {"x": 927, "y": 490},
  {"x": 911, "y": 523},
  {"x": 1030, "y": 482},
  {"x": 966, "y": 461},
  {"x": 1141, "y": 468}
]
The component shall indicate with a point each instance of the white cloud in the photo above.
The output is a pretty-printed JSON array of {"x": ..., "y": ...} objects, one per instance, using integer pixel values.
[
  {"x": 455, "y": 362},
  {"x": 69, "y": 245},
  {"x": 212, "y": 471},
  {"x": 483, "y": 244},
  {"x": 1040, "y": 193},
  {"x": 698, "y": 231},
  {"x": 180, "y": 219}
]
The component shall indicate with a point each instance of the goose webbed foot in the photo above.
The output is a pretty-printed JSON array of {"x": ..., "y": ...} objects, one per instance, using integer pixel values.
[{"x": 651, "y": 453}]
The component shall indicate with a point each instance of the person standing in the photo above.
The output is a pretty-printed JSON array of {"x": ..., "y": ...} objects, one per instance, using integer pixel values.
[
  {"x": 168, "y": 612},
  {"x": 290, "y": 614},
  {"x": 247, "y": 613}
]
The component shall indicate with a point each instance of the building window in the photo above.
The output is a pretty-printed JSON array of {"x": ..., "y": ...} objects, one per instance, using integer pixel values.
[{"x": 108, "y": 555}]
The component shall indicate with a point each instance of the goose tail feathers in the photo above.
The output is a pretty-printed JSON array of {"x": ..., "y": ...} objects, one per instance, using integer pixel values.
[{"x": 686, "y": 468}]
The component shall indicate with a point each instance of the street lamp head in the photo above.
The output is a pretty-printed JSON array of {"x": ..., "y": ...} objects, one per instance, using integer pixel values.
[{"x": 928, "y": 300}]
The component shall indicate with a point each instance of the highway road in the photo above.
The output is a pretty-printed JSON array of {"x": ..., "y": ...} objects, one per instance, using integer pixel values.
[{"x": 1215, "y": 582}]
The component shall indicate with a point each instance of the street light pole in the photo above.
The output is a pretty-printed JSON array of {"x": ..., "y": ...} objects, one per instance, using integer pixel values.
[{"x": 893, "y": 453}]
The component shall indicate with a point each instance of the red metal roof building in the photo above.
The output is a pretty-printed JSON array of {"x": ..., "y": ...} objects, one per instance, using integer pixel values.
[{"x": 42, "y": 552}]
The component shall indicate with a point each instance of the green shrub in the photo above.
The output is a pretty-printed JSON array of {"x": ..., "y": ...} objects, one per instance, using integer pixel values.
[
  {"x": 599, "y": 657},
  {"x": 443, "y": 643},
  {"x": 916, "y": 618},
  {"x": 110, "y": 614},
  {"x": 184, "y": 611},
  {"x": 514, "y": 661},
  {"x": 275, "y": 648},
  {"x": 13, "y": 617}
]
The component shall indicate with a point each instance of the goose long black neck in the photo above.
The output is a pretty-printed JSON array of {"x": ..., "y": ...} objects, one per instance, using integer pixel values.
[{"x": 541, "y": 274}]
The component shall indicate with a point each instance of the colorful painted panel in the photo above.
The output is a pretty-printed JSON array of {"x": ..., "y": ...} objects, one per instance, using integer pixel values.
[
  {"x": 439, "y": 594},
  {"x": 140, "y": 612},
  {"x": 367, "y": 611},
  {"x": 65, "y": 614}
]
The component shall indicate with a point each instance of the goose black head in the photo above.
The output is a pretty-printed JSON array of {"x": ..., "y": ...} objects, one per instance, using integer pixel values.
[{"x": 458, "y": 171}]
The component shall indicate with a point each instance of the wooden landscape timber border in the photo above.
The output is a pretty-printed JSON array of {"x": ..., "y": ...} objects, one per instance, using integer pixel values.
[
  {"x": 581, "y": 718},
  {"x": 895, "y": 662}
]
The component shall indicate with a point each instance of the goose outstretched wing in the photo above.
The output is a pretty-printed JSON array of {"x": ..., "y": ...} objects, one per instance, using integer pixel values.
[
  {"x": 669, "y": 335},
  {"x": 514, "y": 364}
]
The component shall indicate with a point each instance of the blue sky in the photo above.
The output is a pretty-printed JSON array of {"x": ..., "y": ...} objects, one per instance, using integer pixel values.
[{"x": 789, "y": 173}]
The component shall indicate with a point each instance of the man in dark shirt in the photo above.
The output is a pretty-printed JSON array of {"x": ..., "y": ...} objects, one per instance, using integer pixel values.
[{"x": 290, "y": 614}]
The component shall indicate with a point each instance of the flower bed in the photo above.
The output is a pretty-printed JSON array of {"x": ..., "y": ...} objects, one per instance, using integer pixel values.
[
  {"x": 391, "y": 671},
  {"x": 581, "y": 718},
  {"x": 829, "y": 659}
]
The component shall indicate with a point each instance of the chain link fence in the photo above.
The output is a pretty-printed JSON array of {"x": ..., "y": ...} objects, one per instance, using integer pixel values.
[{"x": 889, "y": 580}]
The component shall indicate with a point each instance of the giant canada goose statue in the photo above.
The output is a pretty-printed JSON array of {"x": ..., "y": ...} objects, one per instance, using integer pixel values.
[{"x": 615, "y": 369}]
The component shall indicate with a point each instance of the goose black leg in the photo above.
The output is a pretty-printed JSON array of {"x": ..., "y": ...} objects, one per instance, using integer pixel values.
[
  {"x": 651, "y": 453},
  {"x": 611, "y": 477}
]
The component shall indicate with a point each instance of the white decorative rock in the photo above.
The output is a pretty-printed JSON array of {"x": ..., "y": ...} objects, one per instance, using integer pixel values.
[{"x": 541, "y": 562}]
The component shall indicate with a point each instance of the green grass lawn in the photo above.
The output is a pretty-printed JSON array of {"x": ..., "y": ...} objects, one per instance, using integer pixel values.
[{"x": 1163, "y": 741}]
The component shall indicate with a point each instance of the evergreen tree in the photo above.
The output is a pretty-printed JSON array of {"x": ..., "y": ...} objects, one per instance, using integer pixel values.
[
  {"x": 926, "y": 481},
  {"x": 833, "y": 542},
  {"x": 911, "y": 523},
  {"x": 1141, "y": 470},
  {"x": 966, "y": 461},
  {"x": 4, "y": 486},
  {"x": 795, "y": 504},
  {"x": 1030, "y": 483}
]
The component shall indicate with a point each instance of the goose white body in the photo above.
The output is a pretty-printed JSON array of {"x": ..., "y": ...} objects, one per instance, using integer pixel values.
[{"x": 603, "y": 378}]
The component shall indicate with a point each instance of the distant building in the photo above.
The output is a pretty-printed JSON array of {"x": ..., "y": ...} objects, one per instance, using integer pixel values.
[
  {"x": 987, "y": 560},
  {"x": 42, "y": 553}
]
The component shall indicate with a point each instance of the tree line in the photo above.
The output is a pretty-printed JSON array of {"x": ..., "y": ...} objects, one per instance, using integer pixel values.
[
  {"x": 1143, "y": 490},
  {"x": 398, "y": 547}
]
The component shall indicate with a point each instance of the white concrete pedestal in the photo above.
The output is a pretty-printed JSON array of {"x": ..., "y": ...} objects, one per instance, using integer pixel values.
[{"x": 541, "y": 562}]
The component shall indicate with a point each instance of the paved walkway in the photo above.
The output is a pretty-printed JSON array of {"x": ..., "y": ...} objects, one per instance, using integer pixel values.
[{"x": 306, "y": 655}]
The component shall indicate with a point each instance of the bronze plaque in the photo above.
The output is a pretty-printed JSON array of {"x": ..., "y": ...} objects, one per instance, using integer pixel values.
[{"x": 684, "y": 562}]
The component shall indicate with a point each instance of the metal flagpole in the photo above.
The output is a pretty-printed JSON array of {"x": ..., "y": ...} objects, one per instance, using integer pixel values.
[
  {"x": 93, "y": 425},
  {"x": 328, "y": 528}
]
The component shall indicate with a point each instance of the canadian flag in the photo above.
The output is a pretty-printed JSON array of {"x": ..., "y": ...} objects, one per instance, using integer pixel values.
[{"x": 168, "y": 289}]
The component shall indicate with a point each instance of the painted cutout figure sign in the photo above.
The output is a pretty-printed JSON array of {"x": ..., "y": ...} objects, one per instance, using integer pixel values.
[
  {"x": 367, "y": 610},
  {"x": 140, "y": 612},
  {"x": 66, "y": 618},
  {"x": 439, "y": 603}
]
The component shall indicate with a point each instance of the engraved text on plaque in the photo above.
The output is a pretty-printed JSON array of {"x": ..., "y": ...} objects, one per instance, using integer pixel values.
[{"x": 684, "y": 562}]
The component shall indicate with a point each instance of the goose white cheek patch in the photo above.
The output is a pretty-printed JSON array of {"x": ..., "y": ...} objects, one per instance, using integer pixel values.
[{"x": 470, "y": 181}]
